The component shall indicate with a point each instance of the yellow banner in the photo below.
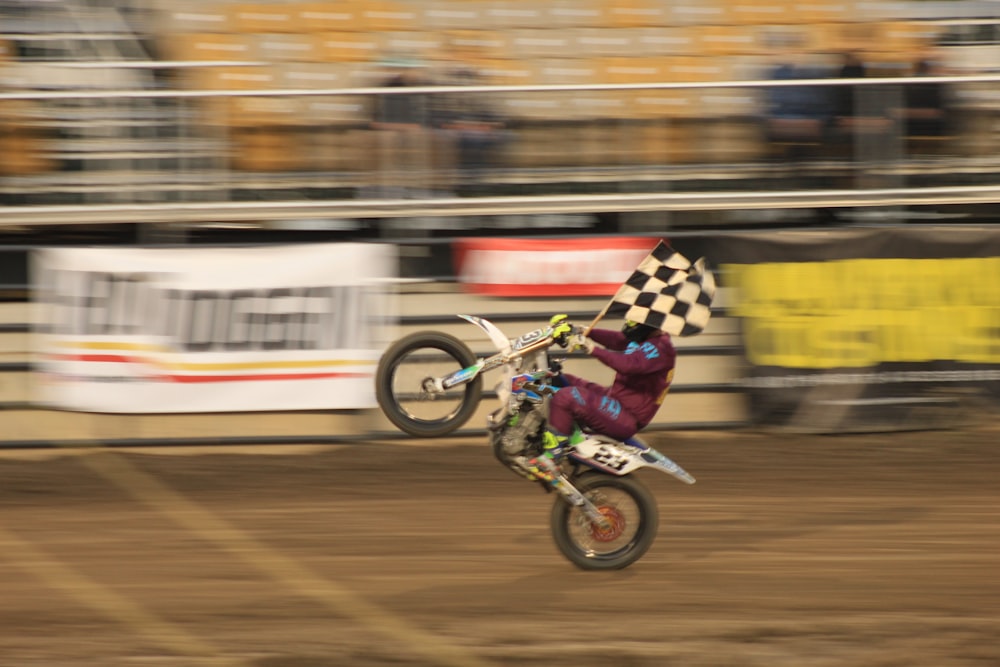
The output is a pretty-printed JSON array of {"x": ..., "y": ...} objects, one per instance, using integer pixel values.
[{"x": 862, "y": 312}]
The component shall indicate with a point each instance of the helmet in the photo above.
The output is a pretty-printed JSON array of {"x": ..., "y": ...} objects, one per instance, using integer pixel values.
[{"x": 637, "y": 332}]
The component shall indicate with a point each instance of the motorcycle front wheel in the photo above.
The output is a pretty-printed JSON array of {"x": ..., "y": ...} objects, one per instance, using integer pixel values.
[
  {"x": 632, "y": 515},
  {"x": 400, "y": 380}
]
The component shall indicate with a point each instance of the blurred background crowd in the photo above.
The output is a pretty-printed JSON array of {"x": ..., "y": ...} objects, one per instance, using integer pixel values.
[{"x": 271, "y": 100}]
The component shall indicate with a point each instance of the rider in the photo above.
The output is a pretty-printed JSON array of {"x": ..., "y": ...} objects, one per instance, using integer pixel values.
[{"x": 643, "y": 359}]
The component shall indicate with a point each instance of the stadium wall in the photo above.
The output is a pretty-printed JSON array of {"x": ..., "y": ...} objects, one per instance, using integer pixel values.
[{"x": 822, "y": 331}]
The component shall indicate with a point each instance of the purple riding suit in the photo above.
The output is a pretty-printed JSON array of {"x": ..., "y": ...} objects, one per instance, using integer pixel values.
[{"x": 643, "y": 372}]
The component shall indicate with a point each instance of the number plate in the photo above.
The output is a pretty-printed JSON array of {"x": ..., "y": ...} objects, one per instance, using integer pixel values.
[{"x": 605, "y": 456}]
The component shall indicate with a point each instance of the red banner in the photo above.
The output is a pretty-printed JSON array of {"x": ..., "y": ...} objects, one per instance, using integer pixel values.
[{"x": 548, "y": 267}]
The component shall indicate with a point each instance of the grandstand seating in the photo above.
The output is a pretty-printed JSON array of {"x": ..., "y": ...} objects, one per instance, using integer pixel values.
[
  {"x": 509, "y": 41},
  {"x": 228, "y": 45},
  {"x": 22, "y": 142}
]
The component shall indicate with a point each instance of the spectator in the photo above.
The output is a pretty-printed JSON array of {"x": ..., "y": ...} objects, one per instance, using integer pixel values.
[
  {"x": 852, "y": 67},
  {"x": 925, "y": 105},
  {"x": 796, "y": 116},
  {"x": 859, "y": 111},
  {"x": 404, "y": 142},
  {"x": 477, "y": 130}
]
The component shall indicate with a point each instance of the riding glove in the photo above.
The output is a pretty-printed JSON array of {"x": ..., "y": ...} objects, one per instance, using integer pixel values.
[
  {"x": 581, "y": 342},
  {"x": 560, "y": 326}
]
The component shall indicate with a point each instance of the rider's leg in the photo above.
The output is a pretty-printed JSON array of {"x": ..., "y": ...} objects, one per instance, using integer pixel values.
[
  {"x": 564, "y": 407},
  {"x": 562, "y": 430},
  {"x": 573, "y": 408},
  {"x": 594, "y": 411}
]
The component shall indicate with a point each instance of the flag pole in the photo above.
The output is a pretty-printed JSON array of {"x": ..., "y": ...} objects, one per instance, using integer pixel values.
[
  {"x": 600, "y": 316},
  {"x": 586, "y": 331}
]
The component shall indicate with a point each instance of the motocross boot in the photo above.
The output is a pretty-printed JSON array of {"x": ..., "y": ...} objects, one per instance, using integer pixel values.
[{"x": 546, "y": 467}]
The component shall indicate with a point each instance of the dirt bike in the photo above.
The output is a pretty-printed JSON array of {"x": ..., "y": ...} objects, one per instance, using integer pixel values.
[{"x": 603, "y": 518}]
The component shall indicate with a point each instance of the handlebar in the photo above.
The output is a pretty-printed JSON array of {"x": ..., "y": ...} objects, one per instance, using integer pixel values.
[{"x": 562, "y": 340}]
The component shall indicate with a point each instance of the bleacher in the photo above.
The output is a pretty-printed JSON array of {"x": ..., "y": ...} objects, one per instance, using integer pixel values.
[
  {"x": 80, "y": 145},
  {"x": 251, "y": 143},
  {"x": 21, "y": 145},
  {"x": 520, "y": 42}
]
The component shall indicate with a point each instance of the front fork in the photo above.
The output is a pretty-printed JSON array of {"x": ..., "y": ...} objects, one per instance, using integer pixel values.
[
  {"x": 570, "y": 494},
  {"x": 577, "y": 499}
]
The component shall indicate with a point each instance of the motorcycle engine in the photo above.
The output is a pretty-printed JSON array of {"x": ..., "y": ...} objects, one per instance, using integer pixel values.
[
  {"x": 521, "y": 437},
  {"x": 517, "y": 438}
]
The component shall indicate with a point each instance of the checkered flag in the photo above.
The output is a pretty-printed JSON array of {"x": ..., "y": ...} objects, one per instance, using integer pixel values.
[{"x": 668, "y": 292}]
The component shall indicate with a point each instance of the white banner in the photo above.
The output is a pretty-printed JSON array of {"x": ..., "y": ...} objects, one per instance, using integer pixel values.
[{"x": 133, "y": 330}]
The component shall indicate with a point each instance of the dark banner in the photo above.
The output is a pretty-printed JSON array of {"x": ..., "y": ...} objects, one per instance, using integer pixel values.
[{"x": 862, "y": 329}]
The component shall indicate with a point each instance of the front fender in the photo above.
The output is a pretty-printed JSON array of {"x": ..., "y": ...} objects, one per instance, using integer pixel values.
[{"x": 498, "y": 337}]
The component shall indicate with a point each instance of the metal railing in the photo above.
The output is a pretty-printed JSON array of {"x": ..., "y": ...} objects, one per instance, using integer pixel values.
[{"x": 203, "y": 187}]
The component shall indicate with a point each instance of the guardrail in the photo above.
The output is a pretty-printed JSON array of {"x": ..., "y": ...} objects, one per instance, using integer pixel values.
[
  {"x": 458, "y": 207},
  {"x": 884, "y": 180}
]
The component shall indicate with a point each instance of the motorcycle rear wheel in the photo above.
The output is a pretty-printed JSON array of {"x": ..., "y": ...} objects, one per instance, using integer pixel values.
[
  {"x": 401, "y": 372},
  {"x": 631, "y": 510}
]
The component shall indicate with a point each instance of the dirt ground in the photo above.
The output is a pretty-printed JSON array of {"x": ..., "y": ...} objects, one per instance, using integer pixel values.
[{"x": 790, "y": 551}]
